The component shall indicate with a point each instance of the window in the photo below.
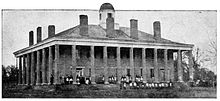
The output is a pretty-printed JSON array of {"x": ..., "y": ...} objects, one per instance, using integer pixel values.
[
  {"x": 109, "y": 15},
  {"x": 141, "y": 71},
  {"x": 162, "y": 74},
  {"x": 90, "y": 72},
  {"x": 150, "y": 53},
  {"x": 128, "y": 72},
  {"x": 151, "y": 73},
  {"x": 100, "y": 16}
]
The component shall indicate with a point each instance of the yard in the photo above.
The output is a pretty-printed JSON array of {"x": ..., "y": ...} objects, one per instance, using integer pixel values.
[{"x": 102, "y": 91}]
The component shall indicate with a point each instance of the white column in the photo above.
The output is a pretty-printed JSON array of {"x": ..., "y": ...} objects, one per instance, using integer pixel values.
[
  {"x": 105, "y": 58},
  {"x": 24, "y": 70},
  {"x": 156, "y": 79},
  {"x": 190, "y": 66},
  {"x": 92, "y": 61},
  {"x": 180, "y": 70},
  {"x": 28, "y": 69},
  {"x": 20, "y": 71},
  {"x": 132, "y": 64},
  {"x": 144, "y": 65},
  {"x": 119, "y": 64},
  {"x": 165, "y": 65},
  {"x": 43, "y": 66},
  {"x": 38, "y": 68},
  {"x": 56, "y": 62},
  {"x": 50, "y": 67},
  {"x": 32, "y": 69},
  {"x": 74, "y": 63}
]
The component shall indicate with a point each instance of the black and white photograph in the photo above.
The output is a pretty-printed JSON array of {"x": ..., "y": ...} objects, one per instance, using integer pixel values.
[{"x": 108, "y": 49}]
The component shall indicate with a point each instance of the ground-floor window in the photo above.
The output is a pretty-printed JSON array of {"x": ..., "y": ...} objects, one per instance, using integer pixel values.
[
  {"x": 162, "y": 74},
  {"x": 128, "y": 72},
  {"x": 152, "y": 73},
  {"x": 90, "y": 72},
  {"x": 141, "y": 71}
]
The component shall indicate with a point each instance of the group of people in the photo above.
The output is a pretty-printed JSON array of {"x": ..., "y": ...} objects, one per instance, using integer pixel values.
[
  {"x": 68, "y": 79},
  {"x": 152, "y": 85},
  {"x": 148, "y": 85},
  {"x": 128, "y": 79},
  {"x": 82, "y": 80},
  {"x": 126, "y": 82},
  {"x": 112, "y": 79}
]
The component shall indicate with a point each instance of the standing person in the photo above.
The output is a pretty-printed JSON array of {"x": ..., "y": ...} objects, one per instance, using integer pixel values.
[
  {"x": 77, "y": 81},
  {"x": 87, "y": 81},
  {"x": 62, "y": 79},
  {"x": 71, "y": 79},
  {"x": 120, "y": 84},
  {"x": 124, "y": 85},
  {"x": 141, "y": 78},
  {"x": 130, "y": 79},
  {"x": 123, "y": 80},
  {"x": 130, "y": 85},
  {"x": 115, "y": 78},
  {"x": 67, "y": 79},
  {"x": 103, "y": 79},
  {"x": 135, "y": 85},
  {"x": 109, "y": 79},
  {"x": 147, "y": 85},
  {"x": 127, "y": 79}
]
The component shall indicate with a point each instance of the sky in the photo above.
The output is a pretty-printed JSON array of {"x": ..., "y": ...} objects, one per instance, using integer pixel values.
[{"x": 186, "y": 26}]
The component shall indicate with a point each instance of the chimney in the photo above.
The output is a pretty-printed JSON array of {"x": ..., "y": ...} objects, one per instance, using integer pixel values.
[
  {"x": 110, "y": 27},
  {"x": 31, "y": 38},
  {"x": 51, "y": 31},
  {"x": 157, "y": 30},
  {"x": 134, "y": 28},
  {"x": 83, "y": 25},
  {"x": 38, "y": 34}
]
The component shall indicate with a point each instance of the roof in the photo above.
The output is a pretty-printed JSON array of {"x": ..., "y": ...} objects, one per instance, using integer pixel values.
[
  {"x": 96, "y": 33},
  {"x": 123, "y": 33},
  {"x": 106, "y": 6}
]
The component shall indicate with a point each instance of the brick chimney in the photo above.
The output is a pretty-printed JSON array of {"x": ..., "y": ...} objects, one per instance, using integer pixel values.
[
  {"x": 157, "y": 30},
  {"x": 31, "y": 38},
  {"x": 110, "y": 27},
  {"x": 51, "y": 31},
  {"x": 83, "y": 25},
  {"x": 39, "y": 34},
  {"x": 134, "y": 28}
]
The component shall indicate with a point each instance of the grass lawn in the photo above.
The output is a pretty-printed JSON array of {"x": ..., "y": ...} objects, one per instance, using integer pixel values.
[{"x": 102, "y": 91}]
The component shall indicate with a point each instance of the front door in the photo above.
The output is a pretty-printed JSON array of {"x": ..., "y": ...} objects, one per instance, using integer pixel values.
[
  {"x": 79, "y": 72},
  {"x": 80, "y": 75}
]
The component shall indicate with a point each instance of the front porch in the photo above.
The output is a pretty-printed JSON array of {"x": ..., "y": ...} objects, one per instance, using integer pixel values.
[{"x": 58, "y": 61}]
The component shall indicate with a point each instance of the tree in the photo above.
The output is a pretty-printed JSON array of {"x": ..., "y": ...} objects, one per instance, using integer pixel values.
[
  {"x": 4, "y": 74},
  {"x": 199, "y": 73},
  {"x": 211, "y": 55},
  {"x": 9, "y": 74}
]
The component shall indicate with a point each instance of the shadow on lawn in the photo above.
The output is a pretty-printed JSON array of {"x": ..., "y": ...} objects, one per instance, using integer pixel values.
[{"x": 101, "y": 91}]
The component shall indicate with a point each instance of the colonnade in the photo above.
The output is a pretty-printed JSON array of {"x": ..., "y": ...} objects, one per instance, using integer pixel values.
[{"x": 38, "y": 67}]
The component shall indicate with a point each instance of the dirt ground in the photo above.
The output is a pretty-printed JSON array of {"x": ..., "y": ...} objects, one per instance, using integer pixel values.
[{"x": 102, "y": 91}]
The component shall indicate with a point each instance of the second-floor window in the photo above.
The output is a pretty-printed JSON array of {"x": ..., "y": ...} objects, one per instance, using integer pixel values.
[{"x": 109, "y": 15}]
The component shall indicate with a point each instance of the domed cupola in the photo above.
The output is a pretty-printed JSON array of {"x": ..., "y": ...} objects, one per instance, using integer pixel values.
[
  {"x": 106, "y": 10},
  {"x": 106, "y": 6}
]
